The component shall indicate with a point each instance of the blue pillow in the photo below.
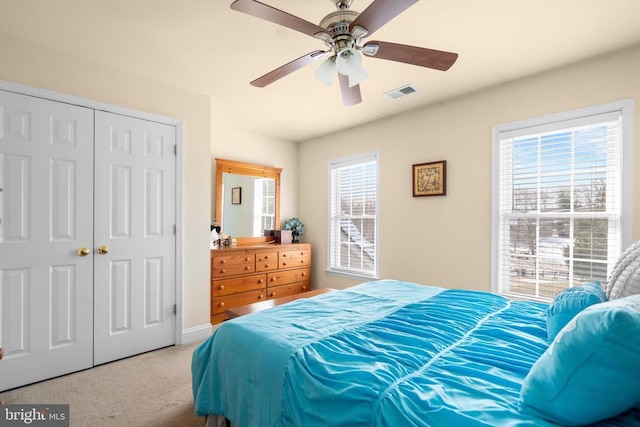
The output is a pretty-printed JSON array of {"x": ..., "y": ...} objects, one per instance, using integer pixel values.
[
  {"x": 591, "y": 371},
  {"x": 570, "y": 302}
]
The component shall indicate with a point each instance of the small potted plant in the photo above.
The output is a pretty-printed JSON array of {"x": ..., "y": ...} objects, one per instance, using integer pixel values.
[{"x": 297, "y": 228}]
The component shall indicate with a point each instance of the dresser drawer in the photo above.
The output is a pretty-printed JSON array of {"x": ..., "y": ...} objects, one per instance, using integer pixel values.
[
  {"x": 221, "y": 287},
  {"x": 267, "y": 261},
  {"x": 303, "y": 252},
  {"x": 232, "y": 265},
  {"x": 292, "y": 259},
  {"x": 287, "y": 290},
  {"x": 284, "y": 277},
  {"x": 220, "y": 304}
]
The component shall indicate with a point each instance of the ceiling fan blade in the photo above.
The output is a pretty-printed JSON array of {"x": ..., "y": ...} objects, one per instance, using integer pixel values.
[
  {"x": 379, "y": 13},
  {"x": 350, "y": 95},
  {"x": 419, "y": 56},
  {"x": 263, "y": 11},
  {"x": 288, "y": 68}
]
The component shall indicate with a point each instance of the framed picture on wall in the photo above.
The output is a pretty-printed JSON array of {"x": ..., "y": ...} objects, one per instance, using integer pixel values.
[
  {"x": 430, "y": 179},
  {"x": 236, "y": 195}
]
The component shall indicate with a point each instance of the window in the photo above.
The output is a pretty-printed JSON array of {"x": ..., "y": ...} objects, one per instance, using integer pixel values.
[
  {"x": 264, "y": 206},
  {"x": 561, "y": 200},
  {"x": 353, "y": 215}
]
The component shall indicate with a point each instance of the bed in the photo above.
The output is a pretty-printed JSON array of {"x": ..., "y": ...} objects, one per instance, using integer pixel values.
[{"x": 395, "y": 353}]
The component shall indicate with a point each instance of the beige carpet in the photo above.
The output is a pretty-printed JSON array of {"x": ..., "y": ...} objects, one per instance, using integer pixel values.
[{"x": 152, "y": 389}]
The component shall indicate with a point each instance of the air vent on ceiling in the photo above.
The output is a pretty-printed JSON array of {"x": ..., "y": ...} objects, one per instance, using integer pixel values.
[{"x": 402, "y": 91}]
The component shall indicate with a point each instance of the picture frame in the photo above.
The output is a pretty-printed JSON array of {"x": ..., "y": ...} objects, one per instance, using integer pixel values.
[
  {"x": 430, "y": 179},
  {"x": 236, "y": 195}
]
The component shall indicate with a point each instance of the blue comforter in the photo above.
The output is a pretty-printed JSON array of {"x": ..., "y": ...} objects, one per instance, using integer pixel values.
[{"x": 384, "y": 353}]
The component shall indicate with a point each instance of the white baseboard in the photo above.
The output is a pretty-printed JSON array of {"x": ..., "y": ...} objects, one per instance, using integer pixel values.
[{"x": 197, "y": 333}]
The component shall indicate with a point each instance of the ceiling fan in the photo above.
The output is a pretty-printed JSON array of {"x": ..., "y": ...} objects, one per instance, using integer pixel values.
[{"x": 342, "y": 32}]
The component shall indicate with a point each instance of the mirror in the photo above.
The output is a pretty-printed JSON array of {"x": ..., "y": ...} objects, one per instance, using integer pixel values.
[{"x": 247, "y": 200}]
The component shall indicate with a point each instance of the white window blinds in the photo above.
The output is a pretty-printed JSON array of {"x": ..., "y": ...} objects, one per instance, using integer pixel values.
[
  {"x": 264, "y": 205},
  {"x": 559, "y": 203},
  {"x": 353, "y": 215}
]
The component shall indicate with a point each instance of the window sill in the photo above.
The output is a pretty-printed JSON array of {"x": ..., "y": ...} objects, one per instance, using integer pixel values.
[
  {"x": 354, "y": 275},
  {"x": 514, "y": 296}
]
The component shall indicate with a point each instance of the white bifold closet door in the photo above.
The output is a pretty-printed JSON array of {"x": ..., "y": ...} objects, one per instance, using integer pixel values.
[
  {"x": 46, "y": 216},
  {"x": 135, "y": 217},
  {"x": 87, "y": 243}
]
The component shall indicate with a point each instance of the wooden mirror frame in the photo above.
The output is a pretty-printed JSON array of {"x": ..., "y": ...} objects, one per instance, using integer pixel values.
[{"x": 242, "y": 168}]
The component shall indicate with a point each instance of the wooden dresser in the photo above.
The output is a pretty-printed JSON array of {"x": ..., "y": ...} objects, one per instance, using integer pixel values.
[{"x": 243, "y": 275}]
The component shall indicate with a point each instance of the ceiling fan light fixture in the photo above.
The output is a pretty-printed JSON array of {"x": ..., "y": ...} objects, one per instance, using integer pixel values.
[
  {"x": 358, "y": 76},
  {"x": 349, "y": 63},
  {"x": 342, "y": 32},
  {"x": 326, "y": 71}
]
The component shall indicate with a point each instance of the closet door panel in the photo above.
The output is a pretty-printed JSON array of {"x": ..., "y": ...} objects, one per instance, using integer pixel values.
[
  {"x": 46, "y": 216},
  {"x": 135, "y": 218}
]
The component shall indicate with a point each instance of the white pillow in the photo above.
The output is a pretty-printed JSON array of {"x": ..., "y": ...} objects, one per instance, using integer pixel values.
[{"x": 625, "y": 277}]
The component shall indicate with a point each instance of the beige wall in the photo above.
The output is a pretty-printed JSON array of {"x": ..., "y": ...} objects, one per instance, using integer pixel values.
[
  {"x": 447, "y": 240},
  {"x": 29, "y": 65},
  {"x": 442, "y": 240},
  {"x": 243, "y": 146}
]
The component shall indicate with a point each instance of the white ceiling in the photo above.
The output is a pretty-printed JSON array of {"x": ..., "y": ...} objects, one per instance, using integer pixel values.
[{"x": 204, "y": 46}]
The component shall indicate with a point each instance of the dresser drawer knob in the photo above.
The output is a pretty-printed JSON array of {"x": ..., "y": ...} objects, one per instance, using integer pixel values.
[
  {"x": 273, "y": 294},
  {"x": 221, "y": 287},
  {"x": 246, "y": 259},
  {"x": 223, "y": 271},
  {"x": 222, "y": 261},
  {"x": 260, "y": 296},
  {"x": 303, "y": 274},
  {"x": 266, "y": 266},
  {"x": 247, "y": 268},
  {"x": 304, "y": 287},
  {"x": 284, "y": 255},
  {"x": 261, "y": 281},
  {"x": 284, "y": 263},
  {"x": 266, "y": 257},
  {"x": 221, "y": 304}
]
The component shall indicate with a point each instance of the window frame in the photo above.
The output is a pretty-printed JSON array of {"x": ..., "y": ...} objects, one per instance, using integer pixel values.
[
  {"x": 348, "y": 161},
  {"x": 625, "y": 108}
]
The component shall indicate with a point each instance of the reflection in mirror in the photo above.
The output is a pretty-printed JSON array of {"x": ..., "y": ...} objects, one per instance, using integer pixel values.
[
  {"x": 247, "y": 199},
  {"x": 248, "y": 204}
]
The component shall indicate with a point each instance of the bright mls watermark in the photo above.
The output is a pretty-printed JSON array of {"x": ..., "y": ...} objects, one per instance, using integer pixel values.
[{"x": 54, "y": 415}]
